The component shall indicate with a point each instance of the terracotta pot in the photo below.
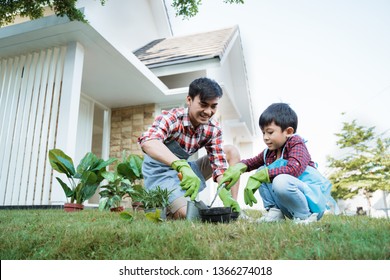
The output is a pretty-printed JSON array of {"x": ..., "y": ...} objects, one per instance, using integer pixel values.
[
  {"x": 73, "y": 207},
  {"x": 117, "y": 209},
  {"x": 137, "y": 206}
]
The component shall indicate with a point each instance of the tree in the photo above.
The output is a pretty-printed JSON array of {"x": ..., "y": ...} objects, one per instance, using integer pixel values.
[
  {"x": 364, "y": 165},
  {"x": 189, "y": 8},
  {"x": 10, "y": 9}
]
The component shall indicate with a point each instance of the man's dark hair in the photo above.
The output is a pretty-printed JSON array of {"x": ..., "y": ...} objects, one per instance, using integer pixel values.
[
  {"x": 281, "y": 114},
  {"x": 206, "y": 89}
]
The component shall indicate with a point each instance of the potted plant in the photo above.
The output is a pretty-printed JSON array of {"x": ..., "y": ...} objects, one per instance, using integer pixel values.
[
  {"x": 113, "y": 192},
  {"x": 131, "y": 169},
  {"x": 83, "y": 181},
  {"x": 154, "y": 200},
  {"x": 121, "y": 183}
]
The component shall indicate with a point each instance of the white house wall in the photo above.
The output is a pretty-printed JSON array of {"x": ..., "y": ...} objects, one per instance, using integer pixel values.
[{"x": 128, "y": 23}]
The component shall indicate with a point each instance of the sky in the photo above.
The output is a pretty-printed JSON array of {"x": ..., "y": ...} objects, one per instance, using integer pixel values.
[{"x": 324, "y": 58}]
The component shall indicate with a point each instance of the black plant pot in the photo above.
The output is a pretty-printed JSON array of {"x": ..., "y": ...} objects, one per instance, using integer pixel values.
[
  {"x": 216, "y": 214},
  {"x": 234, "y": 216}
]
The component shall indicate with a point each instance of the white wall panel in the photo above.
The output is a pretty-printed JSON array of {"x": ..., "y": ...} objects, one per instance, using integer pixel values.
[{"x": 30, "y": 92}]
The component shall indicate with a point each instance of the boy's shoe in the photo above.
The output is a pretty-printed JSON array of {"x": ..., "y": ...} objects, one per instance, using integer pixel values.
[
  {"x": 273, "y": 215},
  {"x": 311, "y": 219}
]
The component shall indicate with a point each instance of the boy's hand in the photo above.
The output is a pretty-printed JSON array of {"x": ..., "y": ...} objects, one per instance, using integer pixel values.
[
  {"x": 228, "y": 200},
  {"x": 232, "y": 174},
  {"x": 189, "y": 182},
  {"x": 254, "y": 182}
]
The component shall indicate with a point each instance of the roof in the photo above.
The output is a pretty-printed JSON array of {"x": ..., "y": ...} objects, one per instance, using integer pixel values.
[{"x": 181, "y": 49}]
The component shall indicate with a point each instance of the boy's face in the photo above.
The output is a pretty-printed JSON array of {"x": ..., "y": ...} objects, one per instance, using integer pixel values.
[
  {"x": 200, "y": 112},
  {"x": 274, "y": 137}
]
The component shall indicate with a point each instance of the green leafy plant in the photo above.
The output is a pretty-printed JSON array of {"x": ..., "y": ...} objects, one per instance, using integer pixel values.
[
  {"x": 130, "y": 167},
  {"x": 126, "y": 216},
  {"x": 83, "y": 181},
  {"x": 154, "y": 216},
  {"x": 124, "y": 181},
  {"x": 153, "y": 198},
  {"x": 113, "y": 192}
]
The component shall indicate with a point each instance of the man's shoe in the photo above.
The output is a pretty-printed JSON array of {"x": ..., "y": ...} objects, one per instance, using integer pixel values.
[{"x": 273, "y": 215}]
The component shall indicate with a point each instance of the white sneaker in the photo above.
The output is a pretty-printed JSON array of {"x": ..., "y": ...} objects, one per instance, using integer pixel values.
[
  {"x": 311, "y": 219},
  {"x": 273, "y": 215}
]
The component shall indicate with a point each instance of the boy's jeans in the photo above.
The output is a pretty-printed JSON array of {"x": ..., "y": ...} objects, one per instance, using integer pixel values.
[{"x": 286, "y": 193}]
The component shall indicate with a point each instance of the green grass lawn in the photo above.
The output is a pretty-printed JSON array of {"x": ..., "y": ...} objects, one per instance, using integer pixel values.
[{"x": 94, "y": 235}]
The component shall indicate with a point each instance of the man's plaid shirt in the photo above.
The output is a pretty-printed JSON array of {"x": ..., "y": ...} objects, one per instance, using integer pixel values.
[{"x": 175, "y": 125}]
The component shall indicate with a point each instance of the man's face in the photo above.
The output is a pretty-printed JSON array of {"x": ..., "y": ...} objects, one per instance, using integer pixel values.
[{"x": 200, "y": 111}]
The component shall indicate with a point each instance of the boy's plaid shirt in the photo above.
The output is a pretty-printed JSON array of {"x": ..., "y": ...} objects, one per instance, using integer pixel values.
[
  {"x": 295, "y": 151},
  {"x": 175, "y": 125}
]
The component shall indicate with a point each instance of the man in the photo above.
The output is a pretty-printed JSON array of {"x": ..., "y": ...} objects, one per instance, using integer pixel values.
[{"x": 177, "y": 134}]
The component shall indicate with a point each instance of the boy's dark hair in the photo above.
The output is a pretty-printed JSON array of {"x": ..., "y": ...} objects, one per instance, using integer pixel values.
[
  {"x": 281, "y": 114},
  {"x": 206, "y": 89}
]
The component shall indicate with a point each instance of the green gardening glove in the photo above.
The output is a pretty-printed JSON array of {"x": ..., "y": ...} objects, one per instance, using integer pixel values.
[
  {"x": 232, "y": 174},
  {"x": 253, "y": 184},
  {"x": 190, "y": 181},
  {"x": 228, "y": 200}
]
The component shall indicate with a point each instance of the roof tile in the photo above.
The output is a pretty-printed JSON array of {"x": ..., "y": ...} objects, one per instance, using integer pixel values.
[{"x": 180, "y": 49}]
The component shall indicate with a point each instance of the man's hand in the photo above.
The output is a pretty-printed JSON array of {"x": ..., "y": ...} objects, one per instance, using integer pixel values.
[
  {"x": 232, "y": 174},
  {"x": 254, "y": 182},
  {"x": 189, "y": 182},
  {"x": 228, "y": 200}
]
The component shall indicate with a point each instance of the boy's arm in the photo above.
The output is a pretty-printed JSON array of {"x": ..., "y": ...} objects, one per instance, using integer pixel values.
[
  {"x": 255, "y": 162},
  {"x": 233, "y": 173},
  {"x": 298, "y": 159}
]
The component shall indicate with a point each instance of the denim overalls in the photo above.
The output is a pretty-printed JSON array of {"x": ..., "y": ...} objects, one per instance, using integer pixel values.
[
  {"x": 159, "y": 174},
  {"x": 297, "y": 197}
]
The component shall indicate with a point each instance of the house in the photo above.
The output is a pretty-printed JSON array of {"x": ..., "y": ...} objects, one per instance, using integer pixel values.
[{"x": 95, "y": 87}]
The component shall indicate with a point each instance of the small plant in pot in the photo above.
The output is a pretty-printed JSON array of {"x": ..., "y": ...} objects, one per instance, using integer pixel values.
[
  {"x": 83, "y": 181},
  {"x": 114, "y": 191},
  {"x": 155, "y": 202},
  {"x": 131, "y": 169}
]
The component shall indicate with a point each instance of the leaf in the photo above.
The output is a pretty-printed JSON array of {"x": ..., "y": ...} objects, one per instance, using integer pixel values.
[
  {"x": 61, "y": 162},
  {"x": 136, "y": 165},
  {"x": 86, "y": 162},
  {"x": 131, "y": 168},
  {"x": 89, "y": 177},
  {"x": 103, "y": 203},
  {"x": 87, "y": 191},
  {"x": 154, "y": 216},
  {"x": 125, "y": 170},
  {"x": 103, "y": 164},
  {"x": 126, "y": 216},
  {"x": 109, "y": 176},
  {"x": 105, "y": 193},
  {"x": 68, "y": 191}
]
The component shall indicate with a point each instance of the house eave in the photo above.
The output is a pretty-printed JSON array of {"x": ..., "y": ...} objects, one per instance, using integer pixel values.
[
  {"x": 184, "y": 66},
  {"x": 112, "y": 75}
]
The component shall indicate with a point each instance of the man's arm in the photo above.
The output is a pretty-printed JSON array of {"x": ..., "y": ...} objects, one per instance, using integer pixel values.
[{"x": 158, "y": 151}]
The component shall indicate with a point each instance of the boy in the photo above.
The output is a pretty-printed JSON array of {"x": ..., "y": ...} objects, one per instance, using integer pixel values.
[
  {"x": 290, "y": 185},
  {"x": 177, "y": 134}
]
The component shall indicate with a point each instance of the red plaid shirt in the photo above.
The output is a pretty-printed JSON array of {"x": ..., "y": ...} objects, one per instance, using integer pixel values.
[
  {"x": 175, "y": 125},
  {"x": 295, "y": 151}
]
